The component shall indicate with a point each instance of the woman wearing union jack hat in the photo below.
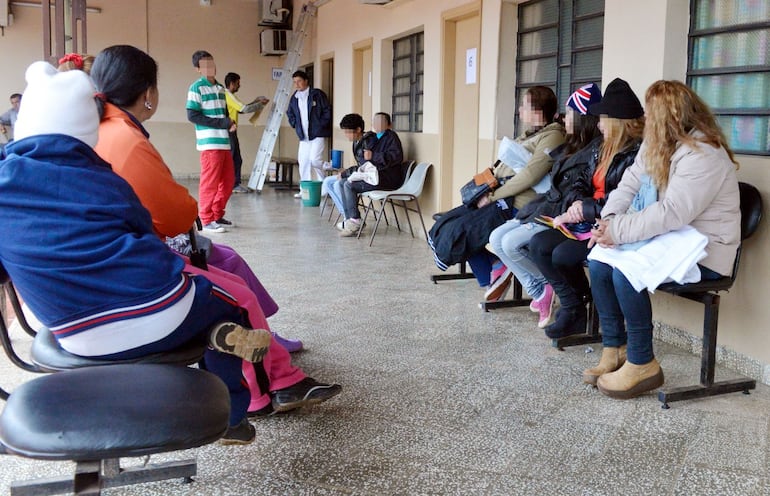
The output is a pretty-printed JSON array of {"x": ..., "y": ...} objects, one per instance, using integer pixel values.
[
  {"x": 578, "y": 154},
  {"x": 560, "y": 259}
]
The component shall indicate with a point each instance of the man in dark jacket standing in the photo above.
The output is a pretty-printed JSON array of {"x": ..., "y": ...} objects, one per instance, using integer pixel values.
[{"x": 310, "y": 115}]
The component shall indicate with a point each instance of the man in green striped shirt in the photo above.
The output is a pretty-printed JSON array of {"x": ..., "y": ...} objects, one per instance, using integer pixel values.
[{"x": 207, "y": 109}]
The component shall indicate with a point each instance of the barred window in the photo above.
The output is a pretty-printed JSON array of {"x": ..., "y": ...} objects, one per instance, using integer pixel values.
[
  {"x": 728, "y": 67},
  {"x": 560, "y": 45},
  {"x": 408, "y": 83}
]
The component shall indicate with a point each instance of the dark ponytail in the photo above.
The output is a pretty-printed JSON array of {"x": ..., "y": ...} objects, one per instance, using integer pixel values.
[{"x": 122, "y": 73}]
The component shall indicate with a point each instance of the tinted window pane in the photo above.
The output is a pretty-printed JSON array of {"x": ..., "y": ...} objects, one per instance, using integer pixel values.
[
  {"x": 539, "y": 13},
  {"x": 538, "y": 42},
  {"x": 732, "y": 91},
  {"x": 587, "y": 66},
  {"x": 538, "y": 71},
  {"x": 747, "y": 48},
  {"x": 721, "y": 13},
  {"x": 746, "y": 133},
  {"x": 589, "y": 33},
  {"x": 584, "y": 7}
]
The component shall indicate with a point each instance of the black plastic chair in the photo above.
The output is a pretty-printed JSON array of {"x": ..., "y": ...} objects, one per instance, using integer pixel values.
[
  {"x": 104, "y": 410},
  {"x": 706, "y": 292}
]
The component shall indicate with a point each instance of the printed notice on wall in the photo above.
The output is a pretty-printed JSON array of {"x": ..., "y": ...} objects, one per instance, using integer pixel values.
[
  {"x": 277, "y": 73},
  {"x": 470, "y": 66}
]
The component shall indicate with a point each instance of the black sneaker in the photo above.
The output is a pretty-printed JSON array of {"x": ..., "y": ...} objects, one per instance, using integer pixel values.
[
  {"x": 234, "y": 339},
  {"x": 265, "y": 411},
  {"x": 306, "y": 392},
  {"x": 242, "y": 433},
  {"x": 224, "y": 221}
]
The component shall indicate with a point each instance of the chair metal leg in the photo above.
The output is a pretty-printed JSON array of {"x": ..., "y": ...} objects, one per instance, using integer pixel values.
[
  {"x": 408, "y": 219},
  {"x": 517, "y": 301},
  {"x": 462, "y": 274},
  {"x": 377, "y": 223},
  {"x": 395, "y": 216},
  {"x": 707, "y": 386},
  {"x": 366, "y": 216},
  {"x": 419, "y": 214},
  {"x": 91, "y": 476}
]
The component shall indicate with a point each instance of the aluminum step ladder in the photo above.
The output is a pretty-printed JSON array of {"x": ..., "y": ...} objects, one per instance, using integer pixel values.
[{"x": 281, "y": 99}]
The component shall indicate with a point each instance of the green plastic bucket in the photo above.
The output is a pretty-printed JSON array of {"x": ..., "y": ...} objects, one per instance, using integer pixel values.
[{"x": 311, "y": 193}]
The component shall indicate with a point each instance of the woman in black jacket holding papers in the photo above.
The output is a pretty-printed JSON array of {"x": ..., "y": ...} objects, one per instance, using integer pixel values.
[{"x": 559, "y": 258}]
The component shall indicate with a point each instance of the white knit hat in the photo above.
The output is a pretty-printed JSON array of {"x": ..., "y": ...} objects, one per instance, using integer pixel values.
[{"x": 58, "y": 103}]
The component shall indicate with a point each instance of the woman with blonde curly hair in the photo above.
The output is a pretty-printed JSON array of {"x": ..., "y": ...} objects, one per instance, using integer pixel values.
[{"x": 686, "y": 172}]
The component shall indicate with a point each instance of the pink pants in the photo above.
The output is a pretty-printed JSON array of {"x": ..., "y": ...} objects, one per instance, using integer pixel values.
[
  {"x": 277, "y": 363},
  {"x": 216, "y": 184}
]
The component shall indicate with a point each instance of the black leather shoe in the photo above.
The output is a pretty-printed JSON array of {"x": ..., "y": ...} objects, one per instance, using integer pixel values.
[
  {"x": 306, "y": 392},
  {"x": 569, "y": 321}
]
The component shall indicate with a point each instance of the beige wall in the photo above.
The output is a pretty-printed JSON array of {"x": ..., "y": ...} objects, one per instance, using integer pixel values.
[
  {"x": 643, "y": 42},
  {"x": 170, "y": 30}
]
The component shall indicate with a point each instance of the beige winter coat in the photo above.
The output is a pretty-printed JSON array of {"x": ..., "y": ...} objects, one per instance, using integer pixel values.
[{"x": 702, "y": 192}]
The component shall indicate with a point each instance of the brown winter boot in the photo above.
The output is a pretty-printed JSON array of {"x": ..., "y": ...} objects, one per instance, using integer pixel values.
[
  {"x": 611, "y": 360},
  {"x": 631, "y": 380}
]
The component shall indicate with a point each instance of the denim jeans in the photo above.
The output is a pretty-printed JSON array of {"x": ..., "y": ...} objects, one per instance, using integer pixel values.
[
  {"x": 350, "y": 192},
  {"x": 333, "y": 187},
  {"x": 560, "y": 260},
  {"x": 625, "y": 315},
  {"x": 508, "y": 241}
]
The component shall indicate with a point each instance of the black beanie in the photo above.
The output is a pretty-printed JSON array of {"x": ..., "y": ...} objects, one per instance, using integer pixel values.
[{"x": 619, "y": 102}]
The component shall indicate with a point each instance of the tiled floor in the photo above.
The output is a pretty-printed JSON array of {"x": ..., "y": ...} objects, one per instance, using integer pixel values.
[{"x": 441, "y": 398}]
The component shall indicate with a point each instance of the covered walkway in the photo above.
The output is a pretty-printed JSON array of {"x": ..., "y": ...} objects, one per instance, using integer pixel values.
[{"x": 440, "y": 398}]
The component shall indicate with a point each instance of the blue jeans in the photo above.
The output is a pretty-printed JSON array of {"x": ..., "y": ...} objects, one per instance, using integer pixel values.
[
  {"x": 333, "y": 187},
  {"x": 350, "y": 192},
  {"x": 508, "y": 242},
  {"x": 625, "y": 315}
]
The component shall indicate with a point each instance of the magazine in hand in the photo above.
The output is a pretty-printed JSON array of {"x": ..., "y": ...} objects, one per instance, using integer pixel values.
[{"x": 580, "y": 231}]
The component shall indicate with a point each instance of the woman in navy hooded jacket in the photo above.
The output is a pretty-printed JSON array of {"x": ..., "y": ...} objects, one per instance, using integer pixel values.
[{"x": 81, "y": 250}]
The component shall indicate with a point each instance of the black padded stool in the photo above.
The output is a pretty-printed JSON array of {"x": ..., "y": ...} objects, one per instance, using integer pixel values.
[
  {"x": 50, "y": 357},
  {"x": 97, "y": 414}
]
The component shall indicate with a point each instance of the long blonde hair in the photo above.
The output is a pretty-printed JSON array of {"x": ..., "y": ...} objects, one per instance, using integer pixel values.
[
  {"x": 673, "y": 111},
  {"x": 619, "y": 134}
]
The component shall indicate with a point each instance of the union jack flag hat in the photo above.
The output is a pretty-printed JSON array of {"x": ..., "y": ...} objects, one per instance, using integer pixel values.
[{"x": 584, "y": 97}]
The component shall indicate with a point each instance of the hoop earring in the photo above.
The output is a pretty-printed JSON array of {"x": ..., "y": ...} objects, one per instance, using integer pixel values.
[{"x": 147, "y": 105}]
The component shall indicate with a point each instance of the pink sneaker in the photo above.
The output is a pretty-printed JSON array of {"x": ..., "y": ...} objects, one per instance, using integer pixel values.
[
  {"x": 534, "y": 306},
  {"x": 498, "y": 271},
  {"x": 545, "y": 307}
]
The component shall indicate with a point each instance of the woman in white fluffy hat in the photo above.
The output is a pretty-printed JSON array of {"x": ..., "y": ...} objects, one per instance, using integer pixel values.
[{"x": 81, "y": 250}]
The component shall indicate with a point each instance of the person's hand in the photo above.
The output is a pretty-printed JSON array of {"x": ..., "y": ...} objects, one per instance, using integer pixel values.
[
  {"x": 574, "y": 213},
  {"x": 484, "y": 201},
  {"x": 233, "y": 127},
  {"x": 600, "y": 234},
  {"x": 367, "y": 154},
  {"x": 559, "y": 220}
]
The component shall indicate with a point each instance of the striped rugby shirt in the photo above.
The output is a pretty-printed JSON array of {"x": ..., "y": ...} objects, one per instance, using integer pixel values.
[{"x": 209, "y": 99}]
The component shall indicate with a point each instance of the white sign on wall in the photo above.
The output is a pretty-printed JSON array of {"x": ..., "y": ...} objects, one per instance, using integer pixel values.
[
  {"x": 470, "y": 66},
  {"x": 277, "y": 73}
]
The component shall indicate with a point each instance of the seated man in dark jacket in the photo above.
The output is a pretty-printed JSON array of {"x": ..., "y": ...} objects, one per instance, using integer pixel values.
[{"x": 386, "y": 155}]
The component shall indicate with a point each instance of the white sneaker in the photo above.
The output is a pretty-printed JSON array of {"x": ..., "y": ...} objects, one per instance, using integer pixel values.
[
  {"x": 351, "y": 227},
  {"x": 327, "y": 166},
  {"x": 214, "y": 227},
  {"x": 297, "y": 195}
]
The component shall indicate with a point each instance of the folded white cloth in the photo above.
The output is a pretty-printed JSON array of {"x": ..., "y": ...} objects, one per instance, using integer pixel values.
[
  {"x": 672, "y": 256},
  {"x": 367, "y": 172}
]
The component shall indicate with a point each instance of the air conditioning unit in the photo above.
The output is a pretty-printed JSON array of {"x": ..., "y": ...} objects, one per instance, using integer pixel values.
[
  {"x": 6, "y": 18},
  {"x": 274, "y": 41},
  {"x": 275, "y": 13},
  {"x": 375, "y": 2}
]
